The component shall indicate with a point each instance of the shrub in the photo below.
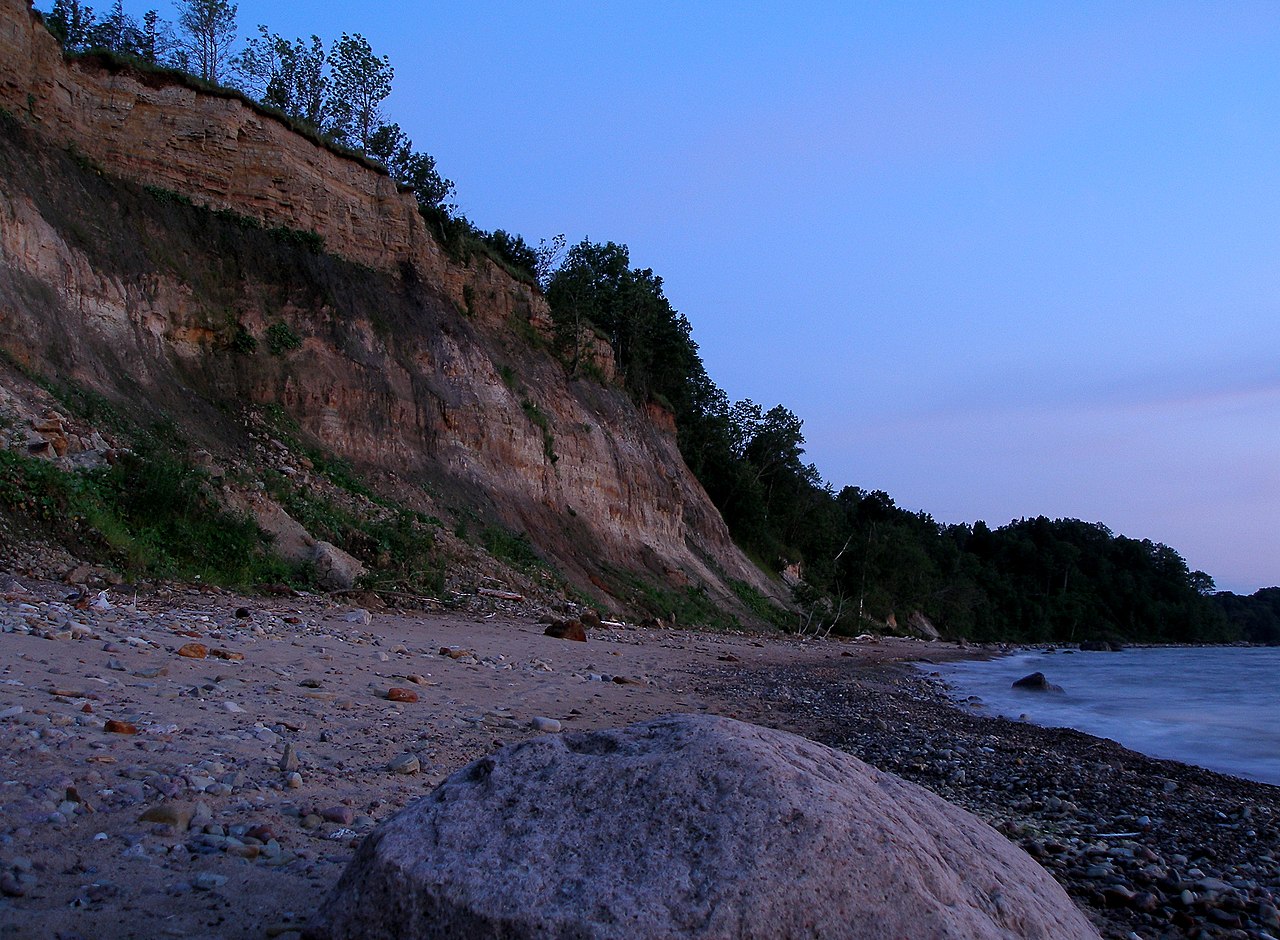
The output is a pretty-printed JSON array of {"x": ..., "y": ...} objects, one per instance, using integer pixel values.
[
  {"x": 149, "y": 515},
  {"x": 243, "y": 341},
  {"x": 281, "y": 338}
]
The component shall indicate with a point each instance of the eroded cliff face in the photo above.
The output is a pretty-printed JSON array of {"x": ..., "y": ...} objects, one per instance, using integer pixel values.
[{"x": 411, "y": 364}]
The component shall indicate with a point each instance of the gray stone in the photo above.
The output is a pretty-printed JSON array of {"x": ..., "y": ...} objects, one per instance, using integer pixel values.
[
  {"x": 405, "y": 764},
  {"x": 919, "y": 625},
  {"x": 545, "y": 725},
  {"x": 727, "y": 830},
  {"x": 208, "y": 881},
  {"x": 1036, "y": 682},
  {"x": 335, "y": 569}
]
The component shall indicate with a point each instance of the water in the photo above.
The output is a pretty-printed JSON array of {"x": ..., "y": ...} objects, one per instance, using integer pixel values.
[{"x": 1216, "y": 707}]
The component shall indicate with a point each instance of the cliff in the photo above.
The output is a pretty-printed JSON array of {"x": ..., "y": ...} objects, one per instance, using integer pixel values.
[{"x": 148, "y": 251}]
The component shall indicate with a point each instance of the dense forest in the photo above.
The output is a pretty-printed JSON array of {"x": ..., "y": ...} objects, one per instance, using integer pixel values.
[{"x": 854, "y": 558}]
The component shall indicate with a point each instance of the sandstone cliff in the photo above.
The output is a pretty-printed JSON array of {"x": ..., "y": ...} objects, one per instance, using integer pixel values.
[{"x": 418, "y": 369}]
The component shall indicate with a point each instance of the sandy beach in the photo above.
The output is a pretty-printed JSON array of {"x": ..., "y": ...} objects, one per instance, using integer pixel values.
[{"x": 147, "y": 790}]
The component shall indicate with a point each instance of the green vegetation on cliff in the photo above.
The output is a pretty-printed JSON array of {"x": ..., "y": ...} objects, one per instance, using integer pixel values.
[{"x": 862, "y": 558}]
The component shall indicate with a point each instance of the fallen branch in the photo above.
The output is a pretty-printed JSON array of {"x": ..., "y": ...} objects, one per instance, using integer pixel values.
[{"x": 501, "y": 595}]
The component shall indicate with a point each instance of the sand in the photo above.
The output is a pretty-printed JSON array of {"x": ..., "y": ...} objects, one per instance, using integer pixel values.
[{"x": 211, "y": 738}]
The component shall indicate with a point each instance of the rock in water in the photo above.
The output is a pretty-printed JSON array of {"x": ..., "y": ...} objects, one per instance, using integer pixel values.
[
  {"x": 689, "y": 826},
  {"x": 1036, "y": 682}
]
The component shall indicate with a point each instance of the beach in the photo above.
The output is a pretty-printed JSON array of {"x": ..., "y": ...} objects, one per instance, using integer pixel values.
[{"x": 191, "y": 763}]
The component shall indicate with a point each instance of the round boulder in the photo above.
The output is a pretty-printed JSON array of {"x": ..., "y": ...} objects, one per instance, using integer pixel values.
[
  {"x": 689, "y": 826},
  {"x": 1036, "y": 682}
]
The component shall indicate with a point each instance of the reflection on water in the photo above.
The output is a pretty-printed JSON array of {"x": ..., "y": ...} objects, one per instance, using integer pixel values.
[{"x": 1217, "y": 707}]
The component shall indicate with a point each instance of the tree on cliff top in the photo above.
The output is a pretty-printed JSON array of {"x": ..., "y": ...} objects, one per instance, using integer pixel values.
[
  {"x": 287, "y": 75},
  {"x": 72, "y": 23},
  {"x": 208, "y": 34},
  {"x": 361, "y": 82},
  {"x": 392, "y": 147}
]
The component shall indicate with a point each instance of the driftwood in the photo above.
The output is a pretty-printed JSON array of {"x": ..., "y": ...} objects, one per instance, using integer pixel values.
[{"x": 501, "y": 595}]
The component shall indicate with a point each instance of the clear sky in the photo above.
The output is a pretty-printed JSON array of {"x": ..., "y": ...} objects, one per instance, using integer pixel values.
[{"x": 1004, "y": 259}]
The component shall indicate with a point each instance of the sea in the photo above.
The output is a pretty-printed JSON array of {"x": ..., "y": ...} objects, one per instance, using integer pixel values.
[{"x": 1216, "y": 707}]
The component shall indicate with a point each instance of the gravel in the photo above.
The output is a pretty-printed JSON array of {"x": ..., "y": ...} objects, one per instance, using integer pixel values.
[{"x": 1148, "y": 848}]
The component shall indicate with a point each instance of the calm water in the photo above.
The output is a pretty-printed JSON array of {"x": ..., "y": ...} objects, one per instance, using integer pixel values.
[{"x": 1216, "y": 707}]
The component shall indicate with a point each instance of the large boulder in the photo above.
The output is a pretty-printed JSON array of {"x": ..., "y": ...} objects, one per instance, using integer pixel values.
[
  {"x": 689, "y": 826},
  {"x": 335, "y": 569},
  {"x": 921, "y": 626}
]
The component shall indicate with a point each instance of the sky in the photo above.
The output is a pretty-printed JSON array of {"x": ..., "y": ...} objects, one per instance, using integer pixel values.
[{"x": 1004, "y": 259}]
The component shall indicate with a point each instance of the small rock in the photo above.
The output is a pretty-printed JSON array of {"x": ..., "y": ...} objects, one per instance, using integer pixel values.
[
  {"x": 342, "y": 815},
  {"x": 219, "y": 653},
  {"x": 567, "y": 630},
  {"x": 402, "y": 695},
  {"x": 11, "y": 886},
  {"x": 359, "y": 615},
  {"x": 208, "y": 881},
  {"x": 293, "y": 780},
  {"x": 120, "y": 727},
  {"x": 260, "y": 832},
  {"x": 545, "y": 725},
  {"x": 178, "y": 815},
  {"x": 289, "y": 762},
  {"x": 194, "y": 651},
  {"x": 242, "y": 613},
  {"x": 1117, "y": 896},
  {"x": 405, "y": 764}
]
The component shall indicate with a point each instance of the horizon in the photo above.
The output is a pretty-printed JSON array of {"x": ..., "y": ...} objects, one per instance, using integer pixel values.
[{"x": 1003, "y": 260}]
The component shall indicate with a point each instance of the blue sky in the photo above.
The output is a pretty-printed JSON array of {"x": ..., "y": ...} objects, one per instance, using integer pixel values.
[{"x": 1004, "y": 259}]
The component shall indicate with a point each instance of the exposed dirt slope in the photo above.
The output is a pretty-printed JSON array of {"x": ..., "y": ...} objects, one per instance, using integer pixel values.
[{"x": 159, "y": 245}]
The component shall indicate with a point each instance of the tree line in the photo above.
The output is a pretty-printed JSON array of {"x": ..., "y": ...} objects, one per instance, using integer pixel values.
[{"x": 861, "y": 559}]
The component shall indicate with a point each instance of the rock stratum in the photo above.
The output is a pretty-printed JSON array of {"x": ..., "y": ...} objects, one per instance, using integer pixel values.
[
  {"x": 128, "y": 267},
  {"x": 690, "y": 826}
]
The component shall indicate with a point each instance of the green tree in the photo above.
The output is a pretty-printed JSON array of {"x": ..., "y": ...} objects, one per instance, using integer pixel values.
[
  {"x": 208, "y": 34},
  {"x": 72, "y": 23},
  {"x": 414, "y": 170},
  {"x": 118, "y": 32},
  {"x": 287, "y": 75},
  {"x": 155, "y": 39},
  {"x": 361, "y": 81}
]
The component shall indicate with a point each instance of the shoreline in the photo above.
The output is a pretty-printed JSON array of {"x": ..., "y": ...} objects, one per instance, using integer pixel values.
[
  {"x": 251, "y": 778},
  {"x": 1147, "y": 847},
  {"x": 1248, "y": 757}
]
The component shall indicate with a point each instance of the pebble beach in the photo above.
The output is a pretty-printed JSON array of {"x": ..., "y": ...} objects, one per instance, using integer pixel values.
[{"x": 183, "y": 762}]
